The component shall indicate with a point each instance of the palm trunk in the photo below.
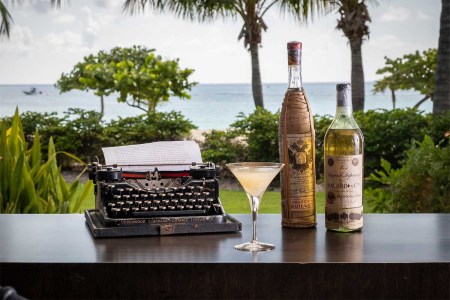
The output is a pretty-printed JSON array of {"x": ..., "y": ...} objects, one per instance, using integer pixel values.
[
  {"x": 102, "y": 104},
  {"x": 393, "y": 98},
  {"x": 357, "y": 76},
  {"x": 256, "y": 76},
  {"x": 441, "y": 99}
]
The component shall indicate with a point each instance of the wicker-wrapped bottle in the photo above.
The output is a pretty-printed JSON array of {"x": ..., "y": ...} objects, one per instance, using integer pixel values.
[{"x": 296, "y": 142}]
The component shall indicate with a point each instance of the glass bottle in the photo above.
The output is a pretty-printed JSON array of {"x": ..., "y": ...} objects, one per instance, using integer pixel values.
[
  {"x": 344, "y": 167},
  {"x": 296, "y": 148}
]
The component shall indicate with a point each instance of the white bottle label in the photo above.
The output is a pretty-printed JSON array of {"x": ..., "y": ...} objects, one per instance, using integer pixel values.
[
  {"x": 344, "y": 181},
  {"x": 344, "y": 191}
]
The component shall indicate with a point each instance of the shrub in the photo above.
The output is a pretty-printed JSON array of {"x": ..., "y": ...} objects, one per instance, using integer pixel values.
[
  {"x": 157, "y": 126},
  {"x": 422, "y": 184},
  {"x": 260, "y": 131},
  {"x": 30, "y": 185},
  {"x": 222, "y": 147}
]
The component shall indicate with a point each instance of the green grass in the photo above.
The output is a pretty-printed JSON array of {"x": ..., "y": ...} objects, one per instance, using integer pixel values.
[{"x": 236, "y": 202}]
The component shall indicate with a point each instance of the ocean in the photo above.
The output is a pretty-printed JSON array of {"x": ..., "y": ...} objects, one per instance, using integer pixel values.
[{"x": 212, "y": 106}]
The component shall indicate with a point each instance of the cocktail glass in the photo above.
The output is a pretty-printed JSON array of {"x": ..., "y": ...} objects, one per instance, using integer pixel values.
[{"x": 254, "y": 178}]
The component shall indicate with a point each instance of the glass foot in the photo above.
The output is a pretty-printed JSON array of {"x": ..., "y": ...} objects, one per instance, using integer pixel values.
[{"x": 254, "y": 246}]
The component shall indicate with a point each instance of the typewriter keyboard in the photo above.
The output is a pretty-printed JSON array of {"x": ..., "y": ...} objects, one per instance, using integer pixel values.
[{"x": 128, "y": 202}]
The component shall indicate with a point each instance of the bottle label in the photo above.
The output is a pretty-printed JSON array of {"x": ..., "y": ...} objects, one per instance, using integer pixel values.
[
  {"x": 301, "y": 177},
  {"x": 338, "y": 218},
  {"x": 344, "y": 181}
]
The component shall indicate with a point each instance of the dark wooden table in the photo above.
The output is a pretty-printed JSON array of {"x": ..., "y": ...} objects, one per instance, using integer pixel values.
[{"x": 395, "y": 256}]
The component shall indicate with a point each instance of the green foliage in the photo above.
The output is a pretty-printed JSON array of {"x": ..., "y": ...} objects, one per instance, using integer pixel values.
[
  {"x": 422, "y": 184},
  {"x": 83, "y": 133},
  {"x": 30, "y": 185},
  {"x": 222, "y": 147},
  {"x": 260, "y": 130},
  {"x": 142, "y": 79},
  {"x": 156, "y": 126},
  {"x": 78, "y": 131},
  {"x": 411, "y": 72}
]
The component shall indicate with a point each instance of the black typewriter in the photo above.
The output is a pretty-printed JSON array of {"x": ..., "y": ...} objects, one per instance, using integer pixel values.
[{"x": 157, "y": 202}]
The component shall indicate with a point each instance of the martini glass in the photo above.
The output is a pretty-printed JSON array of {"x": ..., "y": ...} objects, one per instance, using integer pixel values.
[{"x": 254, "y": 178}]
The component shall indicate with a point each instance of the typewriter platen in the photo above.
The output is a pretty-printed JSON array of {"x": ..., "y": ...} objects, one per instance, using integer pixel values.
[{"x": 157, "y": 202}]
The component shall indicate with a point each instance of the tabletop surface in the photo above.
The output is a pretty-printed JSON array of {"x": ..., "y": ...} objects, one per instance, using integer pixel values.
[{"x": 385, "y": 238}]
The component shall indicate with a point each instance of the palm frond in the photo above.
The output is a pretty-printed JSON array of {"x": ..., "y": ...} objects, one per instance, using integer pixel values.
[
  {"x": 6, "y": 21},
  {"x": 303, "y": 10},
  {"x": 200, "y": 10}
]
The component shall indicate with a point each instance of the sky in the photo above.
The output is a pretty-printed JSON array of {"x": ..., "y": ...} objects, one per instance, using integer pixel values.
[{"x": 46, "y": 42}]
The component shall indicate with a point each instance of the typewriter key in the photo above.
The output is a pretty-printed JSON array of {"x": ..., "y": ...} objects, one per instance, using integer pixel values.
[
  {"x": 115, "y": 212},
  {"x": 126, "y": 211},
  {"x": 188, "y": 195},
  {"x": 138, "y": 203},
  {"x": 192, "y": 201},
  {"x": 180, "y": 207},
  {"x": 153, "y": 208},
  {"x": 120, "y": 204},
  {"x": 147, "y": 203},
  {"x": 135, "y": 209},
  {"x": 205, "y": 194},
  {"x": 189, "y": 207},
  {"x": 135, "y": 196},
  {"x": 143, "y": 208},
  {"x": 198, "y": 207},
  {"x": 197, "y": 195},
  {"x": 162, "y": 208},
  {"x": 183, "y": 201},
  {"x": 170, "y": 195},
  {"x": 174, "y": 202},
  {"x": 117, "y": 197},
  {"x": 171, "y": 208},
  {"x": 179, "y": 195},
  {"x": 120, "y": 191},
  {"x": 126, "y": 197},
  {"x": 129, "y": 190}
]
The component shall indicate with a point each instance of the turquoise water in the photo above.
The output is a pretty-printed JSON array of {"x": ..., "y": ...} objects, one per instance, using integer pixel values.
[{"x": 212, "y": 106}]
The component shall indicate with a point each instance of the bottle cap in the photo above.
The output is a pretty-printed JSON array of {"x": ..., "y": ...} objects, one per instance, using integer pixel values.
[
  {"x": 294, "y": 52},
  {"x": 343, "y": 86}
]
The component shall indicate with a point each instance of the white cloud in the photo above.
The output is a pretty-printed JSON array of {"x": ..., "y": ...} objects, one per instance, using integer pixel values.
[
  {"x": 396, "y": 14},
  {"x": 66, "y": 40},
  {"x": 21, "y": 41},
  {"x": 64, "y": 19},
  {"x": 91, "y": 27},
  {"x": 422, "y": 16}
]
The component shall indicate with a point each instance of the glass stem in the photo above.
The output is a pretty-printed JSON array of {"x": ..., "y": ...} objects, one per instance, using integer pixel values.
[{"x": 255, "y": 206}]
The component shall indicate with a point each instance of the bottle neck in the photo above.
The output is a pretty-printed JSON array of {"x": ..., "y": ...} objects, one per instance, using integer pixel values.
[
  {"x": 295, "y": 77},
  {"x": 344, "y": 102}
]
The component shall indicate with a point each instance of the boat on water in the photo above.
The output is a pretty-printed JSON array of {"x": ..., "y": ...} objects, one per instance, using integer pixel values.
[{"x": 32, "y": 91}]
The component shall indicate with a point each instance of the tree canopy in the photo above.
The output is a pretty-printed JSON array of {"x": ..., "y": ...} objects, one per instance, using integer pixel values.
[
  {"x": 413, "y": 71},
  {"x": 141, "y": 78}
]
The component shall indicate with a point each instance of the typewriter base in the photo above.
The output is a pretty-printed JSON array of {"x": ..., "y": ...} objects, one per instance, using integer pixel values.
[{"x": 99, "y": 230}]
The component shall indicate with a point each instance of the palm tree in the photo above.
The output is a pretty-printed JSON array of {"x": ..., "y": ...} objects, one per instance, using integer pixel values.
[
  {"x": 250, "y": 11},
  {"x": 6, "y": 18},
  {"x": 441, "y": 101},
  {"x": 354, "y": 17}
]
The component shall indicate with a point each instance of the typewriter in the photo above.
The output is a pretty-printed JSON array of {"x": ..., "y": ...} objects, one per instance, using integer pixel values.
[{"x": 157, "y": 202}]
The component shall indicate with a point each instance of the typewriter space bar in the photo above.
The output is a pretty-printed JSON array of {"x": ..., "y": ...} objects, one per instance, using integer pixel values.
[{"x": 173, "y": 213}]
